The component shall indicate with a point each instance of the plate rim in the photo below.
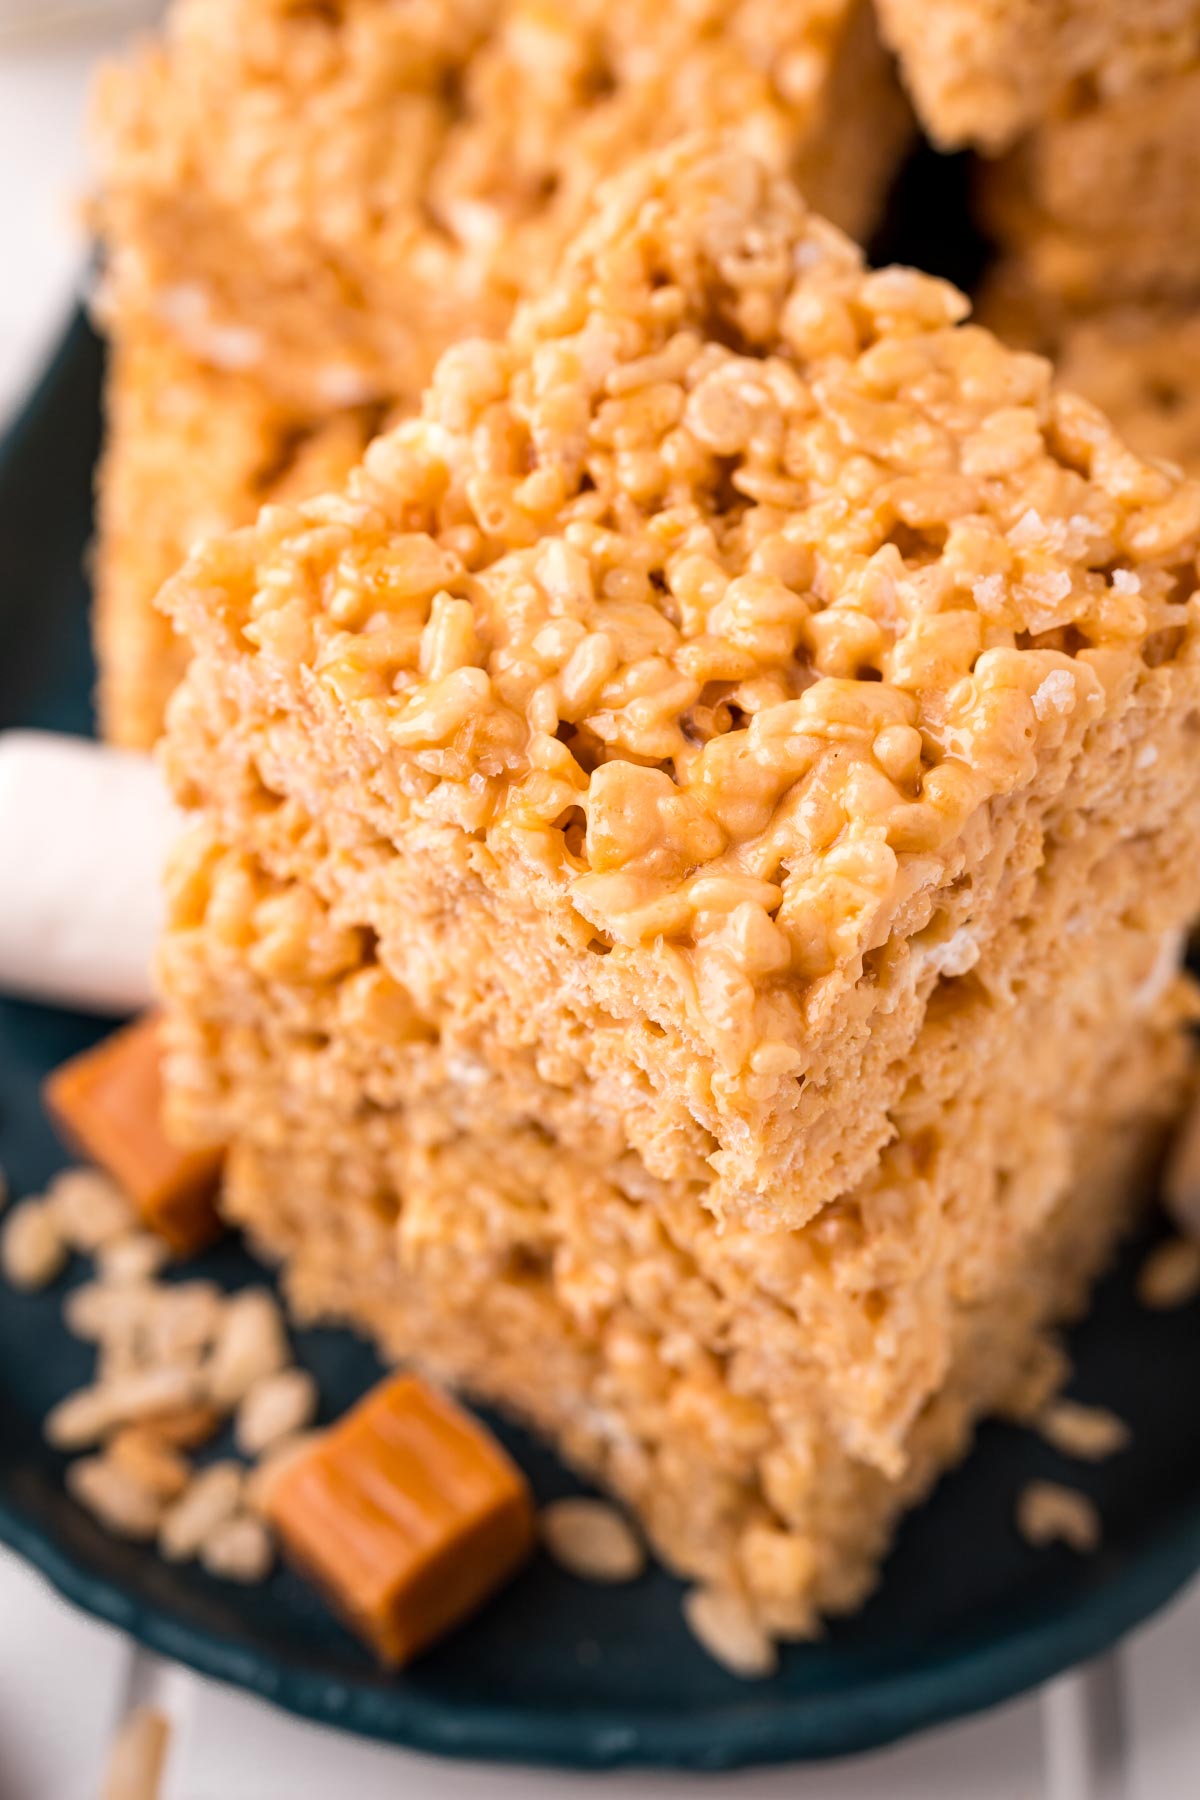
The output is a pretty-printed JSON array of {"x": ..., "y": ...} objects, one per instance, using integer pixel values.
[
  {"x": 878, "y": 1710},
  {"x": 949, "y": 1686}
]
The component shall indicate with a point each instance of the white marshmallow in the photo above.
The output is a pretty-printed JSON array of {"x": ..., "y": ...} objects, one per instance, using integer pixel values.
[{"x": 84, "y": 833}]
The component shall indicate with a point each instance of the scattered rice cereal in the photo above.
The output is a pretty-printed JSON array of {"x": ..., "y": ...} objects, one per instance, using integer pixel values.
[
  {"x": 591, "y": 1539},
  {"x": 1048, "y": 1513},
  {"x": 1170, "y": 1275},
  {"x": 1089, "y": 1432},
  {"x": 726, "y": 1628}
]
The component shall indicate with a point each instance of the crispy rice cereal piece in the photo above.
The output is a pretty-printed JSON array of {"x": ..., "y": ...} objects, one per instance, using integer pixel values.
[
  {"x": 1170, "y": 1275},
  {"x": 1048, "y": 1513},
  {"x": 717, "y": 661},
  {"x": 766, "y": 1402},
  {"x": 592, "y": 1540},
  {"x": 191, "y": 451},
  {"x": 983, "y": 71},
  {"x": 1101, "y": 203}
]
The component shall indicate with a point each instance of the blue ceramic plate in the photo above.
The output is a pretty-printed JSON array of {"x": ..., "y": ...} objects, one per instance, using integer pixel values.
[{"x": 554, "y": 1671}]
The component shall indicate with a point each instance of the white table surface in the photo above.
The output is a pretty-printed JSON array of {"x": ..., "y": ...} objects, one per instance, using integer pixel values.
[{"x": 1126, "y": 1729}]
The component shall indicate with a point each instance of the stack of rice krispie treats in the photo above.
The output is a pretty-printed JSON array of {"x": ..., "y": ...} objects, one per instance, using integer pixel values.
[
  {"x": 303, "y": 205},
  {"x": 1090, "y": 111},
  {"x": 681, "y": 922}
]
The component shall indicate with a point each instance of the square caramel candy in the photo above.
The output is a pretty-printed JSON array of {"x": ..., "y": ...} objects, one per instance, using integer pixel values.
[
  {"x": 107, "y": 1102},
  {"x": 407, "y": 1513}
]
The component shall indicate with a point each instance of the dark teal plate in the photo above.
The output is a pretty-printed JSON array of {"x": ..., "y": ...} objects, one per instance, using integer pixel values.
[{"x": 554, "y": 1671}]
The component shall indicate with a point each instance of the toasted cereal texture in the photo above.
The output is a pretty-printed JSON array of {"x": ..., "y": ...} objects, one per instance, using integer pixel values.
[
  {"x": 983, "y": 71},
  {"x": 721, "y": 656}
]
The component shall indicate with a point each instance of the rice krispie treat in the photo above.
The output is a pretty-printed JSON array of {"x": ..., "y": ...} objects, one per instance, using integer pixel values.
[
  {"x": 983, "y": 71},
  {"x": 767, "y": 1401},
  {"x": 710, "y": 671},
  {"x": 190, "y": 451},
  {"x": 1101, "y": 202},
  {"x": 385, "y": 180}
]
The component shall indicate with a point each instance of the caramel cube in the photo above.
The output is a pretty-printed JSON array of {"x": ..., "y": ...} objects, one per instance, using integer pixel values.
[
  {"x": 408, "y": 1514},
  {"x": 107, "y": 1103}
]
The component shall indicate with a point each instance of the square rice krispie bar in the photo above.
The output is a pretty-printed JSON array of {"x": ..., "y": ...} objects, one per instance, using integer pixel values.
[
  {"x": 983, "y": 71},
  {"x": 682, "y": 924},
  {"x": 1100, "y": 203},
  {"x": 768, "y": 1401},
  {"x": 742, "y": 649},
  {"x": 384, "y": 180}
]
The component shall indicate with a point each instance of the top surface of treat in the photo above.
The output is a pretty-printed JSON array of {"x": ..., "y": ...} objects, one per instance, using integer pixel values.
[{"x": 766, "y": 569}]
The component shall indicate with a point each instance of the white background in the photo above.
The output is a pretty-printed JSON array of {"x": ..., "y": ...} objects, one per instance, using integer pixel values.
[{"x": 1127, "y": 1729}]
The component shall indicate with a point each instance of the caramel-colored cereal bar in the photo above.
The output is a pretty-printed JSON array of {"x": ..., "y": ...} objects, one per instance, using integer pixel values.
[
  {"x": 373, "y": 195},
  {"x": 407, "y": 1512},
  {"x": 1100, "y": 204},
  {"x": 692, "y": 846},
  {"x": 108, "y": 1103},
  {"x": 708, "y": 673},
  {"x": 725, "y": 1381},
  {"x": 983, "y": 71}
]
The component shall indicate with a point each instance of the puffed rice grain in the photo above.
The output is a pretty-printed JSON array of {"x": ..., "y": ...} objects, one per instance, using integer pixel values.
[
  {"x": 1088, "y": 1432},
  {"x": 133, "y": 1258},
  {"x": 146, "y": 1457},
  {"x": 214, "y": 1496},
  {"x": 239, "y": 1549},
  {"x": 273, "y": 1409},
  {"x": 1049, "y": 1513},
  {"x": 32, "y": 1253},
  {"x": 723, "y": 1625},
  {"x": 111, "y": 1495},
  {"x": 591, "y": 1539},
  {"x": 250, "y": 1343},
  {"x": 89, "y": 1414},
  {"x": 1170, "y": 1275},
  {"x": 135, "y": 1764},
  {"x": 89, "y": 1209}
]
